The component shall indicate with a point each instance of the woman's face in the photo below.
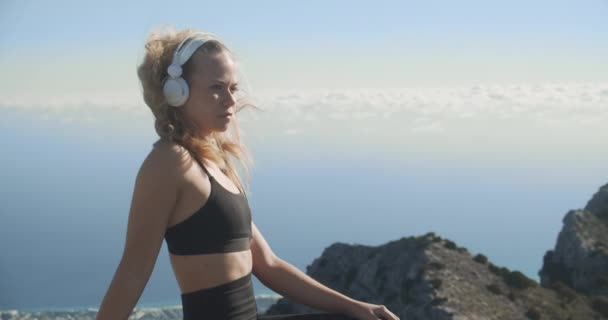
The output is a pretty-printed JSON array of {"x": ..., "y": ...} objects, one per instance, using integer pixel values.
[{"x": 213, "y": 86}]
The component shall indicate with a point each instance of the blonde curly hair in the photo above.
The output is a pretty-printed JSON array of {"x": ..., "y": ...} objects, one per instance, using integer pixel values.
[{"x": 171, "y": 124}]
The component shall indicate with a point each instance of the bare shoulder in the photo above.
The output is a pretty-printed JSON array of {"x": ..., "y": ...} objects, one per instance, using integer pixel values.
[
  {"x": 168, "y": 156},
  {"x": 167, "y": 160},
  {"x": 168, "y": 147}
]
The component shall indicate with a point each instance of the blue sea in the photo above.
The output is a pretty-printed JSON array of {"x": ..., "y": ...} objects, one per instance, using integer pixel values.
[{"x": 493, "y": 169}]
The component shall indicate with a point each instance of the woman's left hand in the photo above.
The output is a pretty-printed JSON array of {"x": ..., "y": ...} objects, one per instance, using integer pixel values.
[{"x": 367, "y": 311}]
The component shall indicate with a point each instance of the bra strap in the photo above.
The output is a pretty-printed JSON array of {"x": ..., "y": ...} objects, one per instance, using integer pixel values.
[
  {"x": 208, "y": 174},
  {"x": 200, "y": 163}
]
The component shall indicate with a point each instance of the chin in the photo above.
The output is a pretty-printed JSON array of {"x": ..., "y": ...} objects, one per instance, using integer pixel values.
[{"x": 223, "y": 128}]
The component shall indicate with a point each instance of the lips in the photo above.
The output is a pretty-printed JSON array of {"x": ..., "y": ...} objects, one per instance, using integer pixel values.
[{"x": 226, "y": 114}]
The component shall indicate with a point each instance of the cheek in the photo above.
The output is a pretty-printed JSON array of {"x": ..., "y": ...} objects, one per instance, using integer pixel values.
[
  {"x": 199, "y": 114},
  {"x": 195, "y": 113},
  {"x": 201, "y": 109}
]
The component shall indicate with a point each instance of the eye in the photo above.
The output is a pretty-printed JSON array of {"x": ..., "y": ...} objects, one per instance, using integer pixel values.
[
  {"x": 216, "y": 86},
  {"x": 235, "y": 89}
]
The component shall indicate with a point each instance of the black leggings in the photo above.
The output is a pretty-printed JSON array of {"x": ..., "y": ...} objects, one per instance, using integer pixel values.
[
  {"x": 307, "y": 316},
  {"x": 235, "y": 300}
]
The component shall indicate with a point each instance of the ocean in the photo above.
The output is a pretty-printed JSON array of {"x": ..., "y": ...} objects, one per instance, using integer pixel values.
[{"x": 494, "y": 172}]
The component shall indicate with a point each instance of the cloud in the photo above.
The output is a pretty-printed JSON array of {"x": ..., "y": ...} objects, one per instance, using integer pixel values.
[
  {"x": 550, "y": 103},
  {"x": 293, "y": 131},
  {"x": 429, "y": 127}
]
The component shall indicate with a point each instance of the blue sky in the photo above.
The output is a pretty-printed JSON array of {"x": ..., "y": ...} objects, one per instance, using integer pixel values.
[
  {"x": 66, "y": 46},
  {"x": 482, "y": 121}
]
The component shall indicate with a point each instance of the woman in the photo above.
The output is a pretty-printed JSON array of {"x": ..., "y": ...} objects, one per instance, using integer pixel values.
[{"x": 188, "y": 193}]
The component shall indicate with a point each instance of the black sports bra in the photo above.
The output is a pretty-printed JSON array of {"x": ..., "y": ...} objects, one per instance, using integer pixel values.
[{"x": 222, "y": 224}]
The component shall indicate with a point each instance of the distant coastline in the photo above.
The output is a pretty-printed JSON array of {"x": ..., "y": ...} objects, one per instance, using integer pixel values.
[{"x": 264, "y": 300}]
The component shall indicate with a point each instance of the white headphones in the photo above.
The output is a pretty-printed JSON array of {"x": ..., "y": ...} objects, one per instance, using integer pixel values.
[{"x": 175, "y": 88}]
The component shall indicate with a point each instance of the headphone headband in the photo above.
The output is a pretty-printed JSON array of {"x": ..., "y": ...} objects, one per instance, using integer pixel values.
[
  {"x": 186, "y": 49},
  {"x": 175, "y": 87},
  {"x": 189, "y": 45}
]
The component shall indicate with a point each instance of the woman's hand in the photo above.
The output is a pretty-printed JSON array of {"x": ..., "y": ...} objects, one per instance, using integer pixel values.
[{"x": 367, "y": 311}]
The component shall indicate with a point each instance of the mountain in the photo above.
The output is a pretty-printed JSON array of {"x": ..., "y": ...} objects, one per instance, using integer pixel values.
[{"x": 431, "y": 278}]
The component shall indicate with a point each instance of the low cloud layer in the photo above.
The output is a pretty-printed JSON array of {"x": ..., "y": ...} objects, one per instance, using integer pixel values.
[{"x": 426, "y": 107}]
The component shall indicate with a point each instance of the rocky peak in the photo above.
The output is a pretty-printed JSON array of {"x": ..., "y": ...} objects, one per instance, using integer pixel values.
[
  {"x": 598, "y": 205},
  {"x": 580, "y": 257},
  {"x": 431, "y": 278}
]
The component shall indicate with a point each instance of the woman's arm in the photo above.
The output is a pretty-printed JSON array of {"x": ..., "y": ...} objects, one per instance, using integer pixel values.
[
  {"x": 289, "y": 281},
  {"x": 154, "y": 197}
]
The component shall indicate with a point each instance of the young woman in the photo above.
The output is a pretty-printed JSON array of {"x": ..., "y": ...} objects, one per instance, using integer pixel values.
[{"x": 188, "y": 193}]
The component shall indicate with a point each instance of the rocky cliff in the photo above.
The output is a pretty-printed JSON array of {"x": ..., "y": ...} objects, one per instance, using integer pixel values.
[
  {"x": 431, "y": 278},
  {"x": 580, "y": 257}
]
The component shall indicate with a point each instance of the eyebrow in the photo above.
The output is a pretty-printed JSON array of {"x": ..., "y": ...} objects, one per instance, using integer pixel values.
[{"x": 222, "y": 82}]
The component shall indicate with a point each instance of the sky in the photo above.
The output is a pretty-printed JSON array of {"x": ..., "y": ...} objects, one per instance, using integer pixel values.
[
  {"x": 483, "y": 121},
  {"x": 52, "y": 47}
]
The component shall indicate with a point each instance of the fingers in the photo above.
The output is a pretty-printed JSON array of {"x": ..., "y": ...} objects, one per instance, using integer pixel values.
[{"x": 385, "y": 314}]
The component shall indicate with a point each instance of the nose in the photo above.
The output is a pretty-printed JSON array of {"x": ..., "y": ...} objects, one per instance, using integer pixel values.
[{"x": 229, "y": 100}]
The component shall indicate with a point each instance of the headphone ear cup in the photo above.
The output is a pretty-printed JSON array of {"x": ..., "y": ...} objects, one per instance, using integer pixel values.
[{"x": 176, "y": 91}]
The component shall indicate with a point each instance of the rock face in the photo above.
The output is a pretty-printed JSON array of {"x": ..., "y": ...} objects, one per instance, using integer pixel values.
[
  {"x": 580, "y": 257},
  {"x": 432, "y": 278}
]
